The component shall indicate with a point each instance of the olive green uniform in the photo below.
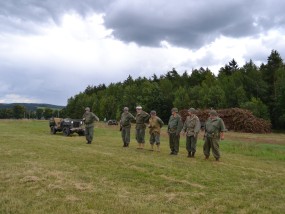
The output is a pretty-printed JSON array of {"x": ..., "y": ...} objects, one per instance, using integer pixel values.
[
  {"x": 141, "y": 119},
  {"x": 89, "y": 120},
  {"x": 155, "y": 124},
  {"x": 192, "y": 127},
  {"x": 125, "y": 123},
  {"x": 213, "y": 128},
  {"x": 174, "y": 128}
]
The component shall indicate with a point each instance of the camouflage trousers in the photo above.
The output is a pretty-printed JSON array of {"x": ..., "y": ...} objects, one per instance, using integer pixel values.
[
  {"x": 126, "y": 132},
  {"x": 174, "y": 142},
  {"x": 154, "y": 138},
  {"x": 140, "y": 135},
  {"x": 191, "y": 142},
  {"x": 89, "y": 131},
  {"x": 212, "y": 142}
]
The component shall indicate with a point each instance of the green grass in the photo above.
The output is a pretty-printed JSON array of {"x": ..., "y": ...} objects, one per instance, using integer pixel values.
[{"x": 44, "y": 173}]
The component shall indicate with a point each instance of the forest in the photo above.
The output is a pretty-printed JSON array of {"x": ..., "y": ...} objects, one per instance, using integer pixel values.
[{"x": 260, "y": 89}]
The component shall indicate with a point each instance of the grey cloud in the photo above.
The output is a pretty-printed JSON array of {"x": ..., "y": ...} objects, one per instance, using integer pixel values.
[
  {"x": 21, "y": 16},
  {"x": 187, "y": 23},
  {"x": 191, "y": 23}
]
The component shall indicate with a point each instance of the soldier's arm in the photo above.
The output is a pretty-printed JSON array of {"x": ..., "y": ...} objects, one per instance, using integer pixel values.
[
  {"x": 96, "y": 118},
  {"x": 161, "y": 122},
  {"x": 179, "y": 127}
]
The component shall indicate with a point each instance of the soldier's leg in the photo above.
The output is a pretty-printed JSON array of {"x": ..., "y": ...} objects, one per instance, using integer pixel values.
[
  {"x": 123, "y": 133},
  {"x": 91, "y": 133},
  {"x": 206, "y": 147},
  {"x": 216, "y": 148},
  {"x": 127, "y": 136},
  {"x": 193, "y": 141},
  {"x": 137, "y": 138},
  {"x": 157, "y": 140},
  {"x": 188, "y": 145},
  {"x": 87, "y": 134},
  {"x": 176, "y": 143},
  {"x": 171, "y": 142},
  {"x": 152, "y": 140}
]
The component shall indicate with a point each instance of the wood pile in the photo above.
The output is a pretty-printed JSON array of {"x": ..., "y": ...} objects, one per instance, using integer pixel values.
[{"x": 235, "y": 119}]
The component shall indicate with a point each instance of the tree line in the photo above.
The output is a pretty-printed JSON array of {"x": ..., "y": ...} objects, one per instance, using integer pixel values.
[{"x": 260, "y": 89}]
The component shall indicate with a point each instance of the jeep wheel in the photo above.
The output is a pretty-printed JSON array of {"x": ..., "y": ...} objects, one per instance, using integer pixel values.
[
  {"x": 66, "y": 131},
  {"x": 52, "y": 130}
]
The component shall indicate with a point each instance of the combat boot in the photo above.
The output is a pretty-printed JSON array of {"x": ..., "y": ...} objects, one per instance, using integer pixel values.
[
  {"x": 206, "y": 157},
  {"x": 158, "y": 148},
  {"x": 151, "y": 147},
  {"x": 189, "y": 155},
  {"x": 193, "y": 155}
]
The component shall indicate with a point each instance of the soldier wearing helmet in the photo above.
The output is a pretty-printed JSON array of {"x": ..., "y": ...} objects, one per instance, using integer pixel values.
[
  {"x": 214, "y": 131},
  {"x": 174, "y": 128},
  {"x": 155, "y": 124},
  {"x": 89, "y": 118},
  {"x": 141, "y": 118},
  {"x": 125, "y": 124},
  {"x": 191, "y": 128}
]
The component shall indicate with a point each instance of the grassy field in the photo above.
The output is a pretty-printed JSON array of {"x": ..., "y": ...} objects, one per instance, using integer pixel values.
[{"x": 44, "y": 173}]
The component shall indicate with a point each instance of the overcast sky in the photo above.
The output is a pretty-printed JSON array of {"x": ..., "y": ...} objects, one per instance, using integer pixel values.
[{"x": 51, "y": 50}]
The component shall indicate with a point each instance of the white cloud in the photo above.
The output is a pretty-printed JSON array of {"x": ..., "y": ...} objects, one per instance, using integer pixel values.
[{"x": 15, "y": 98}]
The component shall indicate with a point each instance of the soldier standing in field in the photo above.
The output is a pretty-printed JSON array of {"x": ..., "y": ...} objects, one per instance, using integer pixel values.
[
  {"x": 89, "y": 119},
  {"x": 141, "y": 118},
  {"x": 191, "y": 128},
  {"x": 174, "y": 128},
  {"x": 125, "y": 124},
  {"x": 155, "y": 124},
  {"x": 214, "y": 131}
]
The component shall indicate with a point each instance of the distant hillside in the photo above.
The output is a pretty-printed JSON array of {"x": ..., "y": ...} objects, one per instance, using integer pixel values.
[{"x": 30, "y": 106}]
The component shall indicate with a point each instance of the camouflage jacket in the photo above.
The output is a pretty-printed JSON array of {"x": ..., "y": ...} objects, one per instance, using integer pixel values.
[
  {"x": 175, "y": 124},
  {"x": 214, "y": 127},
  {"x": 89, "y": 119},
  {"x": 155, "y": 124},
  {"x": 192, "y": 125},
  {"x": 141, "y": 119},
  {"x": 126, "y": 119}
]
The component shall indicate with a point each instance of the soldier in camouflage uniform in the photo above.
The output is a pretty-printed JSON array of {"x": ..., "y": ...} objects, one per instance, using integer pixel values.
[
  {"x": 155, "y": 124},
  {"x": 89, "y": 119},
  {"x": 174, "y": 128},
  {"x": 191, "y": 128},
  {"x": 214, "y": 131},
  {"x": 141, "y": 118},
  {"x": 125, "y": 124}
]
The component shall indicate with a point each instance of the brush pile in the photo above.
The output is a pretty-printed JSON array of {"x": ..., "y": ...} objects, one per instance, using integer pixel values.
[{"x": 235, "y": 119}]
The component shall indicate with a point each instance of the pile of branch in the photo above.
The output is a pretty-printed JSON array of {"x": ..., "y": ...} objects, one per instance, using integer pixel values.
[{"x": 235, "y": 119}]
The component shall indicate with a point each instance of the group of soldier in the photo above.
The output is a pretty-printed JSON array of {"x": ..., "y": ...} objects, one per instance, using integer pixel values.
[{"x": 214, "y": 130}]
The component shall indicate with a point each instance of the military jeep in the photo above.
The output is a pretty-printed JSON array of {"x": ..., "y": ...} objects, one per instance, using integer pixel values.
[{"x": 67, "y": 126}]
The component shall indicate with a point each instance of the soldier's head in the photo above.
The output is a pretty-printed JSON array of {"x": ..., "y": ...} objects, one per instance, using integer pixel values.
[
  {"x": 126, "y": 109},
  {"x": 153, "y": 113},
  {"x": 213, "y": 113},
  {"x": 139, "y": 109},
  {"x": 174, "y": 111},
  {"x": 87, "y": 109},
  {"x": 191, "y": 111}
]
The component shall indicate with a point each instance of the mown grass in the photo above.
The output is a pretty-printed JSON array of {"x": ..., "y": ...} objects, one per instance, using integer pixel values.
[{"x": 43, "y": 173}]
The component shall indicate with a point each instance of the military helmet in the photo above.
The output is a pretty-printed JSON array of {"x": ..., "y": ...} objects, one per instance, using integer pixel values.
[
  {"x": 153, "y": 112},
  {"x": 213, "y": 112},
  {"x": 192, "y": 110},
  {"x": 174, "y": 110},
  {"x": 87, "y": 109},
  {"x": 126, "y": 109}
]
